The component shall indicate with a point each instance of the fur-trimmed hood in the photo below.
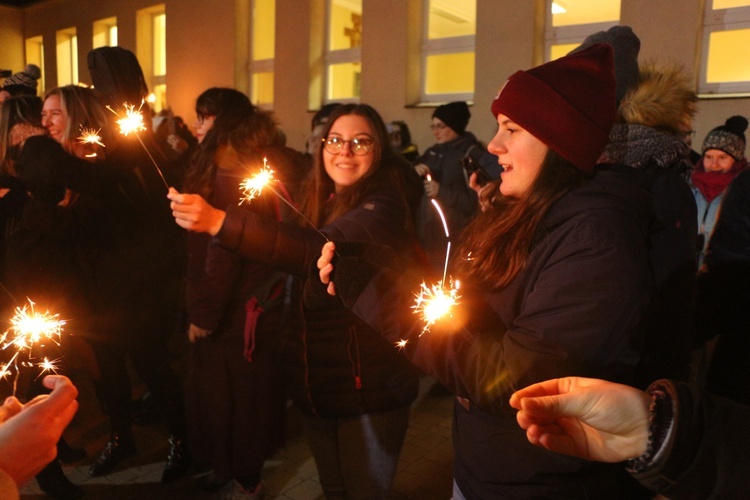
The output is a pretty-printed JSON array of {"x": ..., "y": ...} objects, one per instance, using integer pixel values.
[{"x": 664, "y": 99}]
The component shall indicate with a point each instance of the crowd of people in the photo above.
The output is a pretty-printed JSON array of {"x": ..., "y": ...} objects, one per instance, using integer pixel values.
[{"x": 593, "y": 254}]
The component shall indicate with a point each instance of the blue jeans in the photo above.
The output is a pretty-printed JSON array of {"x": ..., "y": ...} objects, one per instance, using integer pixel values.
[{"x": 356, "y": 457}]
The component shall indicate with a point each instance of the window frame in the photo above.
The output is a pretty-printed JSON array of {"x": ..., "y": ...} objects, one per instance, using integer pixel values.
[
  {"x": 714, "y": 21},
  {"x": 259, "y": 66},
  {"x": 442, "y": 46},
  {"x": 334, "y": 57}
]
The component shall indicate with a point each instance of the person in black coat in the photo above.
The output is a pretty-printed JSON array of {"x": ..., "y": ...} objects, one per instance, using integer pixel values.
[
  {"x": 554, "y": 275},
  {"x": 353, "y": 386}
]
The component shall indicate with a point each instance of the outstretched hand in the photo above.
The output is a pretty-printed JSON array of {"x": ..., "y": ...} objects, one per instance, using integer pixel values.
[
  {"x": 325, "y": 266},
  {"x": 587, "y": 418},
  {"x": 29, "y": 433},
  {"x": 192, "y": 212}
]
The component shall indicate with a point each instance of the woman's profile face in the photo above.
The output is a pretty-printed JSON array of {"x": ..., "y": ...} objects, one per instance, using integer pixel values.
[
  {"x": 716, "y": 160},
  {"x": 346, "y": 162},
  {"x": 203, "y": 124},
  {"x": 519, "y": 153},
  {"x": 53, "y": 118}
]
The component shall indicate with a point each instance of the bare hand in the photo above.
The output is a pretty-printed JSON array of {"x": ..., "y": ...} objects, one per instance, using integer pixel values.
[
  {"x": 194, "y": 213},
  {"x": 325, "y": 266},
  {"x": 422, "y": 169},
  {"x": 588, "y": 418},
  {"x": 196, "y": 332},
  {"x": 29, "y": 435},
  {"x": 431, "y": 188}
]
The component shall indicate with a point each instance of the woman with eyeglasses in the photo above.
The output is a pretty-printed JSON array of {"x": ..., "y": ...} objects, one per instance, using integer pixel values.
[
  {"x": 354, "y": 387},
  {"x": 445, "y": 180}
]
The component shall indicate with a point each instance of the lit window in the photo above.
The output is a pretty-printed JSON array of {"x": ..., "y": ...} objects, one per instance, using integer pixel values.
[
  {"x": 35, "y": 55},
  {"x": 151, "y": 45},
  {"x": 67, "y": 57},
  {"x": 569, "y": 22},
  {"x": 343, "y": 51},
  {"x": 263, "y": 52},
  {"x": 448, "y": 50},
  {"x": 726, "y": 43},
  {"x": 105, "y": 33}
]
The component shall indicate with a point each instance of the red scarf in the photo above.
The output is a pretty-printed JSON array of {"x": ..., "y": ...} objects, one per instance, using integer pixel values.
[{"x": 712, "y": 184}]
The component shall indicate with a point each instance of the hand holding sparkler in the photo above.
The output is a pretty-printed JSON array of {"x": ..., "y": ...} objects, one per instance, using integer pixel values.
[
  {"x": 192, "y": 212},
  {"x": 29, "y": 433}
]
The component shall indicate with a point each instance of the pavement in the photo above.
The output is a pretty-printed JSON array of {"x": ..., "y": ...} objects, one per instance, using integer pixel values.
[{"x": 424, "y": 470}]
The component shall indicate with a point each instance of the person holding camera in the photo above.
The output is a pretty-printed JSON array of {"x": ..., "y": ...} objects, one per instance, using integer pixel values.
[{"x": 445, "y": 180}]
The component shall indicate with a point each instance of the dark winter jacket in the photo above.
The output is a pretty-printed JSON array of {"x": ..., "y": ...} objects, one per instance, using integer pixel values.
[
  {"x": 659, "y": 163},
  {"x": 457, "y": 200},
  {"x": 724, "y": 295},
  {"x": 336, "y": 365},
  {"x": 130, "y": 251},
  {"x": 220, "y": 282},
  {"x": 575, "y": 309},
  {"x": 705, "y": 453}
]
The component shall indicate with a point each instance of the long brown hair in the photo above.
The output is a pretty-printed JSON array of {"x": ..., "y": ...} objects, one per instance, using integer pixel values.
[
  {"x": 237, "y": 124},
  {"x": 499, "y": 240},
  {"x": 82, "y": 110},
  {"x": 319, "y": 204}
]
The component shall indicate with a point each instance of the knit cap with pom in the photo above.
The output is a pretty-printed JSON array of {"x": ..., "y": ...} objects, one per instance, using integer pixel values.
[
  {"x": 729, "y": 137},
  {"x": 24, "y": 82}
]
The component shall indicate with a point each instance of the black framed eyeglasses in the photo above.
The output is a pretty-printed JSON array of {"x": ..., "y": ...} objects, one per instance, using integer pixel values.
[{"x": 358, "y": 146}]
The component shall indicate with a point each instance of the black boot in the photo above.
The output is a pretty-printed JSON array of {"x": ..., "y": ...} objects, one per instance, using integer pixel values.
[
  {"x": 178, "y": 460},
  {"x": 53, "y": 481},
  {"x": 118, "y": 447}
]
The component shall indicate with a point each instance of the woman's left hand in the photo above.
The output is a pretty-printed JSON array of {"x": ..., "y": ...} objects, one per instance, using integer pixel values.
[
  {"x": 325, "y": 266},
  {"x": 192, "y": 212}
]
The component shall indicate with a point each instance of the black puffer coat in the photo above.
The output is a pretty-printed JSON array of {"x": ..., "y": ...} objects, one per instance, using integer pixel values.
[{"x": 336, "y": 365}]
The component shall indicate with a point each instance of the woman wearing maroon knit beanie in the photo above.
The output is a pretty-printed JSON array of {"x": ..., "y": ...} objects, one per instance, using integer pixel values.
[{"x": 554, "y": 280}]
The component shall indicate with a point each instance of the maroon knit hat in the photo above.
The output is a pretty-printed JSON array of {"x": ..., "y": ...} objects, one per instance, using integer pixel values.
[{"x": 568, "y": 103}]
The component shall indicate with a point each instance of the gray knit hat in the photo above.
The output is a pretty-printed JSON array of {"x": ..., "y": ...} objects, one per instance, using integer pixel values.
[
  {"x": 626, "y": 46},
  {"x": 729, "y": 137},
  {"x": 24, "y": 82}
]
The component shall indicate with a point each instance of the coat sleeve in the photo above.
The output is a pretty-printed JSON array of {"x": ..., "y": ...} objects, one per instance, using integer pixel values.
[
  {"x": 704, "y": 454},
  {"x": 576, "y": 316},
  {"x": 291, "y": 249}
]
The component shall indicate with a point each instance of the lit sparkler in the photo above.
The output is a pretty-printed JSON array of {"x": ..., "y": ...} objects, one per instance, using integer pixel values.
[
  {"x": 401, "y": 344},
  {"x": 90, "y": 136},
  {"x": 27, "y": 328},
  {"x": 132, "y": 123},
  {"x": 48, "y": 366},
  {"x": 435, "y": 302},
  {"x": 252, "y": 187}
]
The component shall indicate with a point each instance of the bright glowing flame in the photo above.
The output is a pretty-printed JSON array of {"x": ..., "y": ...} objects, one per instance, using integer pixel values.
[
  {"x": 435, "y": 302},
  {"x": 252, "y": 187},
  {"x": 90, "y": 136},
  {"x": 401, "y": 343},
  {"x": 29, "y": 327},
  {"x": 132, "y": 122}
]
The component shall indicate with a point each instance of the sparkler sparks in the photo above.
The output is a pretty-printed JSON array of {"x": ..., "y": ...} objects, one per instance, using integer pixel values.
[
  {"x": 435, "y": 302},
  {"x": 252, "y": 187},
  {"x": 132, "y": 121},
  {"x": 90, "y": 136},
  {"x": 27, "y": 328},
  {"x": 48, "y": 366},
  {"x": 401, "y": 343}
]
